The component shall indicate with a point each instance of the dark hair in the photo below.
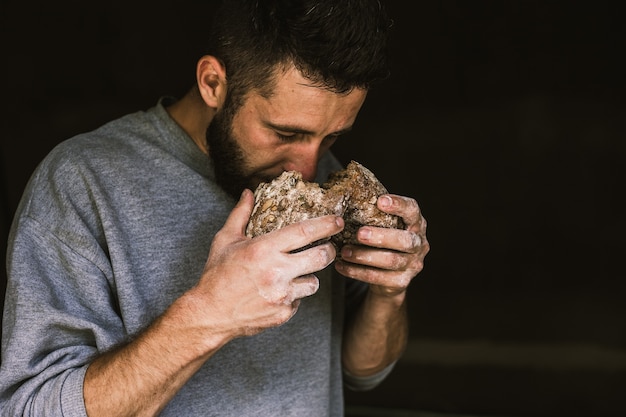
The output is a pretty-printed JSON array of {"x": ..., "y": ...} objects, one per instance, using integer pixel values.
[{"x": 336, "y": 44}]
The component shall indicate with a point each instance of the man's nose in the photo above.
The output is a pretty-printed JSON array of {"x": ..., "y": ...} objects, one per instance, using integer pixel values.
[{"x": 305, "y": 161}]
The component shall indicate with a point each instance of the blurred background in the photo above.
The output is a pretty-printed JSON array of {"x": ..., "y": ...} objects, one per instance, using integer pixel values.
[{"x": 505, "y": 120}]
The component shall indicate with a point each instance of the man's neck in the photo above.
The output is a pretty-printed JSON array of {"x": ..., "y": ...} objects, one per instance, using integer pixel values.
[{"x": 193, "y": 116}]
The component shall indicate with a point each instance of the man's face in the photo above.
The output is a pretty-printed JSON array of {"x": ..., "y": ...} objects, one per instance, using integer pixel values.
[{"x": 289, "y": 131}]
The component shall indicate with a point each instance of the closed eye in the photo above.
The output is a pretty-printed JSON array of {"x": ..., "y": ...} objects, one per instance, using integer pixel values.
[
  {"x": 287, "y": 137},
  {"x": 297, "y": 136},
  {"x": 291, "y": 133}
]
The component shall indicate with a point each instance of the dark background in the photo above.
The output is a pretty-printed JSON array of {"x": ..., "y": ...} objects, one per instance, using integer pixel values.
[{"x": 504, "y": 119}]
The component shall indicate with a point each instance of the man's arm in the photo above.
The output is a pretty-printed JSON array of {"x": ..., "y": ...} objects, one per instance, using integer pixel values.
[
  {"x": 142, "y": 377},
  {"x": 247, "y": 285},
  {"x": 377, "y": 334}
]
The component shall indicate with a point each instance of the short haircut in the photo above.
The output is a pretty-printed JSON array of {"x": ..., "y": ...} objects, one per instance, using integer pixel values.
[{"x": 338, "y": 45}]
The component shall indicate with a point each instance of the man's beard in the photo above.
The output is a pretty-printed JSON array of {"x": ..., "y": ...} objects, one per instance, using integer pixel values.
[
  {"x": 227, "y": 156},
  {"x": 229, "y": 162}
]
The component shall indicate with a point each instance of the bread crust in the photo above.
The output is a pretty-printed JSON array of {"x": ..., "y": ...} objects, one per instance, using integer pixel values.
[{"x": 350, "y": 193}]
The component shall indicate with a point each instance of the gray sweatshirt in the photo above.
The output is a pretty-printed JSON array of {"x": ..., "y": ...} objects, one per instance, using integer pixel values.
[{"x": 114, "y": 225}]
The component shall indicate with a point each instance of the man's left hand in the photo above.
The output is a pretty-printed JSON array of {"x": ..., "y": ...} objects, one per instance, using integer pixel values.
[{"x": 388, "y": 259}]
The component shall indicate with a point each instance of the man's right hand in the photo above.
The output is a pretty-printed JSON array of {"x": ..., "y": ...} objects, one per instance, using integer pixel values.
[
  {"x": 252, "y": 284},
  {"x": 247, "y": 285}
]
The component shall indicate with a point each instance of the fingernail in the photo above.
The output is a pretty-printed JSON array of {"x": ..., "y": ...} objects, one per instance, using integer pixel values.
[
  {"x": 365, "y": 233},
  {"x": 339, "y": 221},
  {"x": 386, "y": 201},
  {"x": 346, "y": 253}
]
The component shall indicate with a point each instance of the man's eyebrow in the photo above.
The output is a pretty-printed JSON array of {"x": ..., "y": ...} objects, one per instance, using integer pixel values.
[{"x": 301, "y": 130}]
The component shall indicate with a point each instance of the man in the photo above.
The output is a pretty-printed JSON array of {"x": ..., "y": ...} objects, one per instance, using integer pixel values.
[{"x": 113, "y": 307}]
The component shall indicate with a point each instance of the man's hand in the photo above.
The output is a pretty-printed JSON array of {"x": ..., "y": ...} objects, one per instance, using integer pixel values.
[
  {"x": 252, "y": 284},
  {"x": 389, "y": 258},
  {"x": 247, "y": 285}
]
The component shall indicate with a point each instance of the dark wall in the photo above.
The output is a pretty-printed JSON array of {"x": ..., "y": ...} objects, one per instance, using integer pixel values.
[{"x": 504, "y": 119}]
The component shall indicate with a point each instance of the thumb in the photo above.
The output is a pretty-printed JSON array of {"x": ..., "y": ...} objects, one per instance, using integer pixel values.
[{"x": 238, "y": 218}]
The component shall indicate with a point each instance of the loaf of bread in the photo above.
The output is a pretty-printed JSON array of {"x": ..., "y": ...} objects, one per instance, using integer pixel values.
[{"x": 351, "y": 193}]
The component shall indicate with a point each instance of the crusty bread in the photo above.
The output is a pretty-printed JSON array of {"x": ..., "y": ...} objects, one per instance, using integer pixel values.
[
  {"x": 350, "y": 193},
  {"x": 362, "y": 189},
  {"x": 289, "y": 199}
]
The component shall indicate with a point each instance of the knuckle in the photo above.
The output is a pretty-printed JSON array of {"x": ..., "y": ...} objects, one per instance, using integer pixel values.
[
  {"x": 269, "y": 277},
  {"x": 416, "y": 240},
  {"x": 322, "y": 255},
  {"x": 219, "y": 239},
  {"x": 417, "y": 266},
  {"x": 410, "y": 241},
  {"x": 411, "y": 206},
  {"x": 255, "y": 252},
  {"x": 305, "y": 228},
  {"x": 285, "y": 313},
  {"x": 397, "y": 262},
  {"x": 327, "y": 254},
  {"x": 404, "y": 281},
  {"x": 392, "y": 261}
]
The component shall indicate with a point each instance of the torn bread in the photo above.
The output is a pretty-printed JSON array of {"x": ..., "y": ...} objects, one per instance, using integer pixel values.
[{"x": 350, "y": 193}]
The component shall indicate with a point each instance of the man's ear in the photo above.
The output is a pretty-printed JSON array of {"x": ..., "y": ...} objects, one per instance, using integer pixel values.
[{"x": 211, "y": 79}]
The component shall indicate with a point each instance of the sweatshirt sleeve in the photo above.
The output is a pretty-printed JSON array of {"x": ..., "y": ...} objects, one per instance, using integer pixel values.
[
  {"x": 60, "y": 312},
  {"x": 366, "y": 383}
]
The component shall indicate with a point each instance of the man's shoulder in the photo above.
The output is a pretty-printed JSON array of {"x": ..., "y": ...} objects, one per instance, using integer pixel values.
[{"x": 107, "y": 142}]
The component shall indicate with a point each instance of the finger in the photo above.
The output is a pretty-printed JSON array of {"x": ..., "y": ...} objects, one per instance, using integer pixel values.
[
  {"x": 238, "y": 218},
  {"x": 304, "y": 286},
  {"x": 404, "y": 207},
  {"x": 387, "y": 278},
  {"x": 313, "y": 259},
  {"x": 299, "y": 287},
  {"x": 400, "y": 240},
  {"x": 386, "y": 259},
  {"x": 298, "y": 235},
  {"x": 377, "y": 258}
]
